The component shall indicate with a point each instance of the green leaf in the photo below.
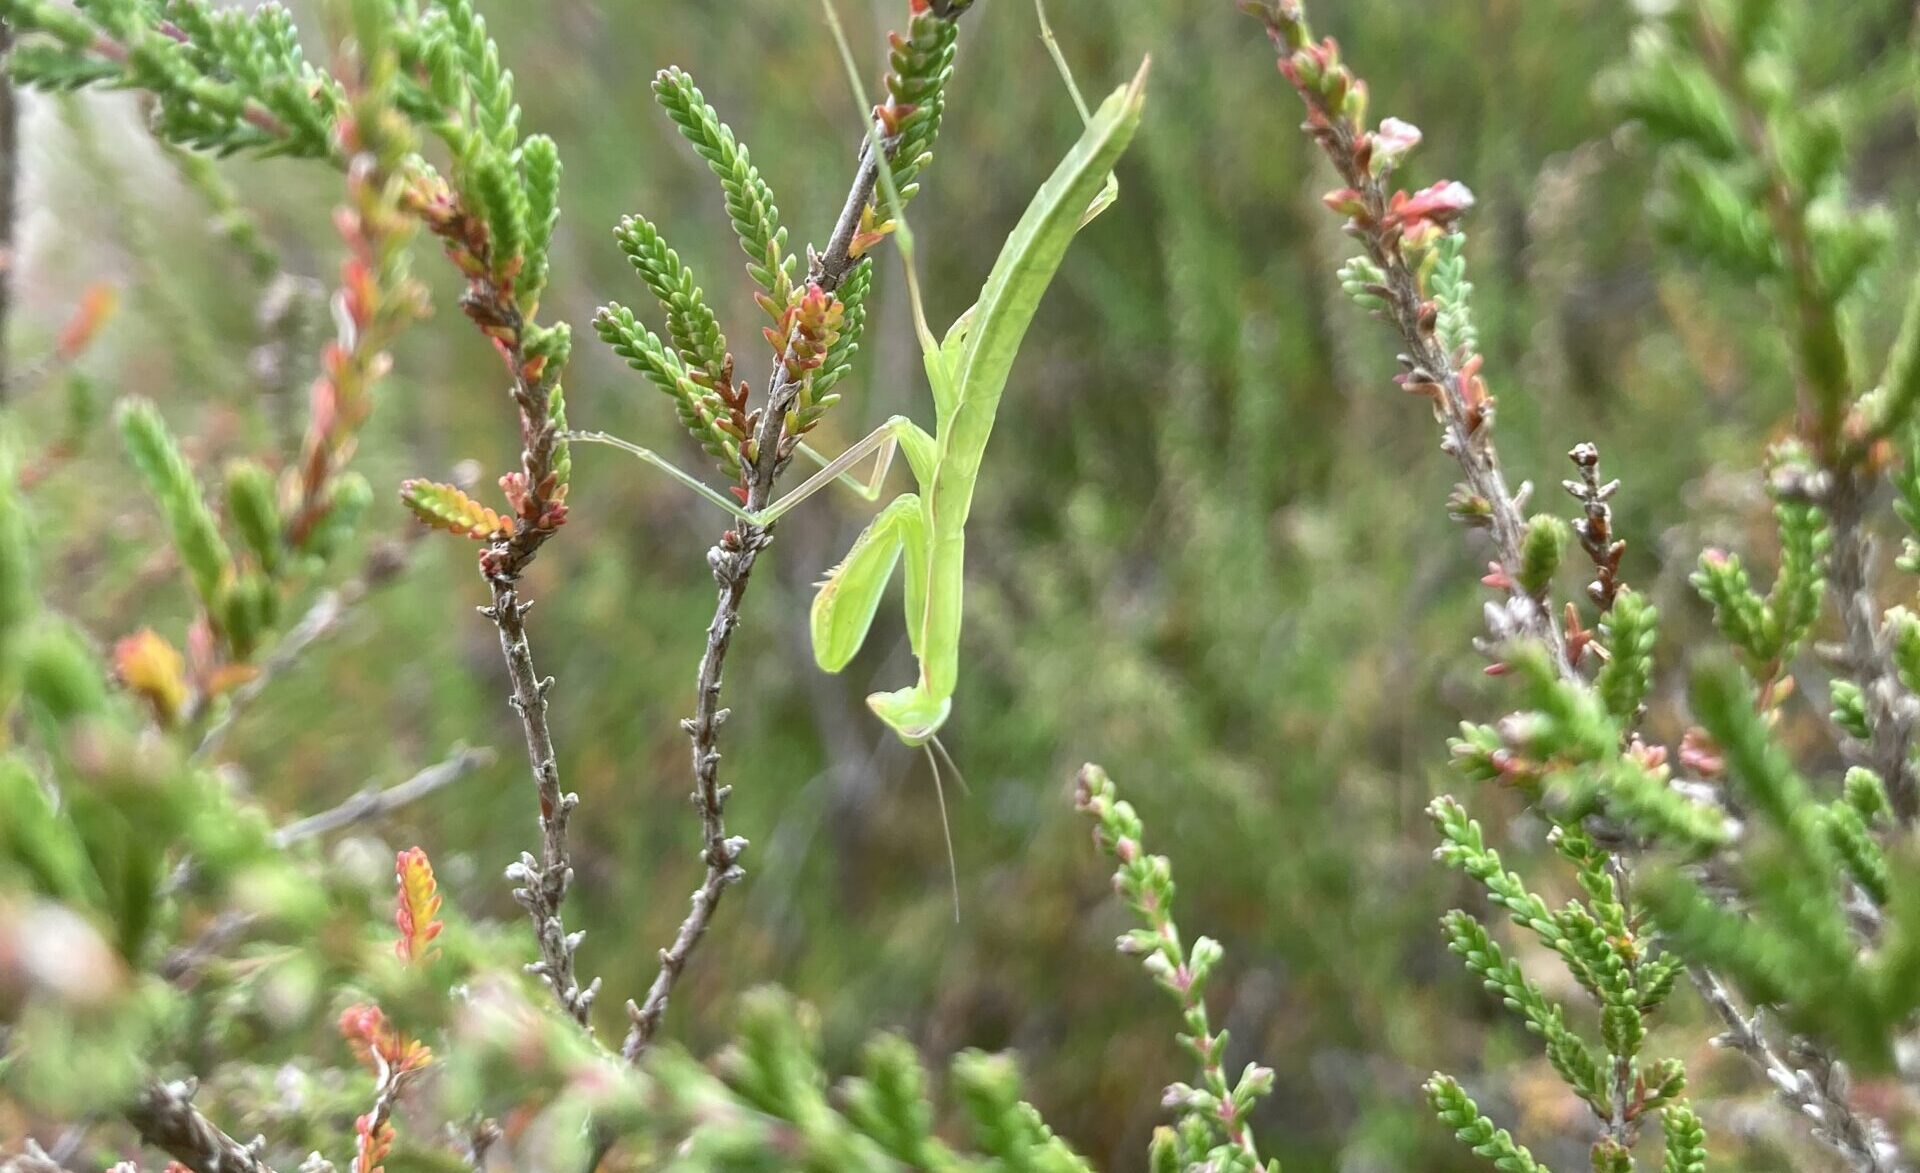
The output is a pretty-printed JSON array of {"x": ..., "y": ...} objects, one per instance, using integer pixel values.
[
  {"x": 1700, "y": 210},
  {"x": 170, "y": 481},
  {"x": 255, "y": 515},
  {"x": 1457, "y": 1111},
  {"x": 1450, "y": 290},
  {"x": 700, "y": 410},
  {"x": 1674, "y": 97},
  {"x": 1541, "y": 548},
  {"x": 1570, "y": 1055},
  {"x": 918, "y": 68},
  {"x": 1628, "y": 632},
  {"x": 750, "y": 203},
  {"x": 691, "y": 324},
  {"x": 1686, "y": 1140},
  {"x": 40, "y": 841},
  {"x": 540, "y": 179},
  {"x": 853, "y": 300}
]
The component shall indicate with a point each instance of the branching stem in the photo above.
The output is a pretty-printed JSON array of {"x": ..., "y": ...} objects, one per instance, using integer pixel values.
[{"x": 732, "y": 560}]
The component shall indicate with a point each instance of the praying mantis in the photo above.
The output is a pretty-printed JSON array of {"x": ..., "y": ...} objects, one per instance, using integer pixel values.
[{"x": 967, "y": 371}]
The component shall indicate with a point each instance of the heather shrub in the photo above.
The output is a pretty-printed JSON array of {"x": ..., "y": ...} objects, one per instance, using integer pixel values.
[{"x": 242, "y": 505}]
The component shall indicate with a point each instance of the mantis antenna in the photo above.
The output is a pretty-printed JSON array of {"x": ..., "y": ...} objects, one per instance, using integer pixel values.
[
  {"x": 881, "y": 443},
  {"x": 941, "y": 747},
  {"x": 946, "y": 830},
  {"x": 1060, "y": 60}
]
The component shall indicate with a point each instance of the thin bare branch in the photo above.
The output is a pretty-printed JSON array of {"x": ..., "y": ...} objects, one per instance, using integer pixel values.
[
  {"x": 1892, "y": 711},
  {"x": 370, "y": 803},
  {"x": 540, "y": 884},
  {"x": 1818, "y": 1088},
  {"x": 373, "y": 803}
]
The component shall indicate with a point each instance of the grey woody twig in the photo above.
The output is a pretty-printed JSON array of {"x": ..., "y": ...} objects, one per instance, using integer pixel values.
[
  {"x": 1844, "y": 486},
  {"x": 1825, "y": 391},
  {"x": 1458, "y": 395},
  {"x": 180, "y": 965},
  {"x": 1892, "y": 711},
  {"x": 373, "y": 803},
  {"x": 165, "y": 1118},
  {"x": 541, "y": 882},
  {"x": 1817, "y": 1091},
  {"x": 32, "y": 1159}
]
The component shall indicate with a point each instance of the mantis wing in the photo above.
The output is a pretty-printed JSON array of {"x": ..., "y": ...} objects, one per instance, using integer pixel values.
[
  {"x": 943, "y": 369},
  {"x": 993, "y": 329},
  {"x": 850, "y": 594}
]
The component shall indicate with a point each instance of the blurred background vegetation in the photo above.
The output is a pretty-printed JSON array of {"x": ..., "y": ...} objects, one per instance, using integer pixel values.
[{"x": 1211, "y": 547}]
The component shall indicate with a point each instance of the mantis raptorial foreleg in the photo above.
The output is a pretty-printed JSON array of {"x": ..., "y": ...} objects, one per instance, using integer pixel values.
[{"x": 881, "y": 443}]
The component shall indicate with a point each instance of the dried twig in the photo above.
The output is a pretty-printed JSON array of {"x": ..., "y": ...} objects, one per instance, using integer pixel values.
[
  {"x": 1817, "y": 1090},
  {"x": 165, "y": 1118},
  {"x": 372, "y": 803},
  {"x": 1595, "y": 527}
]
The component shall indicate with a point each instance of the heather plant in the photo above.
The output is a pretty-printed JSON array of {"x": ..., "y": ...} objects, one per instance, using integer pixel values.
[
  {"x": 178, "y": 899},
  {"x": 1213, "y": 1130},
  {"x": 353, "y": 1011},
  {"x": 1720, "y": 859}
]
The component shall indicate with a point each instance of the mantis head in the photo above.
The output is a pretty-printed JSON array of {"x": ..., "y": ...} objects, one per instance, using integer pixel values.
[{"x": 912, "y": 713}]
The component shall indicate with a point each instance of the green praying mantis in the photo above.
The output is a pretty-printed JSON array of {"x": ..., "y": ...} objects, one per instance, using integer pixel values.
[{"x": 967, "y": 371}]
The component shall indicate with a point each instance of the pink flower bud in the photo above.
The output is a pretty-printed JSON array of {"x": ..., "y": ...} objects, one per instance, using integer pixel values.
[
  {"x": 1345, "y": 201},
  {"x": 1434, "y": 207},
  {"x": 1392, "y": 142}
]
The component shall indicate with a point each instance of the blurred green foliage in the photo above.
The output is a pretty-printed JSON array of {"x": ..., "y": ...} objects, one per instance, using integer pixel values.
[{"x": 1220, "y": 555}]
